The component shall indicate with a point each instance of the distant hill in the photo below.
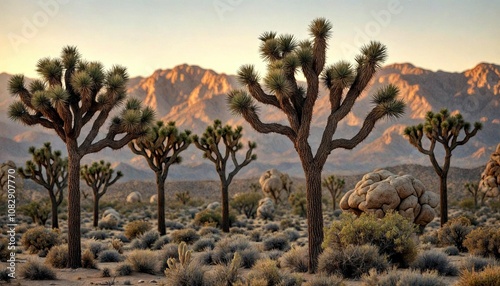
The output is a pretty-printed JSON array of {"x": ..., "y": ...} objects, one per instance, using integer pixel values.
[{"x": 193, "y": 97}]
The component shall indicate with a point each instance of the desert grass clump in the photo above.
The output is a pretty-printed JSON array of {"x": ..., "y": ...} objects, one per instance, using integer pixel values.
[
  {"x": 404, "y": 278},
  {"x": 484, "y": 241},
  {"x": 169, "y": 250},
  {"x": 135, "y": 228},
  {"x": 173, "y": 224},
  {"x": 143, "y": 260},
  {"x": 39, "y": 239},
  {"x": 88, "y": 260},
  {"x": 279, "y": 242},
  {"x": 204, "y": 244},
  {"x": 34, "y": 270},
  {"x": 271, "y": 227},
  {"x": 451, "y": 250},
  {"x": 160, "y": 242},
  {"x": 454, "y": 232},
  {"x": 393, "y": 235},
  {"x": 296, "y": 260},
  {"x": 124, "y": 269},
  {"x": 226, "y": 274},
  {"x": 224, "y": 251},
  {"x": 183, "y": 272},
  {"x": 292, "y": 234},
  {"x": 208, "y": 230},
  {"x": 96, "y": 247},
  {"x": 97, "y": 234},
  {"x": 490, "y": 276},
  {"x": 267, "y": 270},
  {"x": 187, "y": 235},
  {"x": 434, "y": 261},
  {"x": 477, "y": 263},
  {"x": 324, "y": 281},
  {"x": 351, "y": 261},
  {"x": 105, "y": 272},
  {"x": 110, "y": 255},
  {"x": 117, "y": 245},
  {"x": 108, "y": 223},
  {"x": 58, "y": 256}
]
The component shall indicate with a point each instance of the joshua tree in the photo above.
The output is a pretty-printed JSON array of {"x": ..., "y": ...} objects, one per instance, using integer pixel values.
[
  {"x": 161, "y": 148},
  {"x": 473, "y": 189},
  {"x": 345, "y": 83},
  {"x": 442, "y": 128},
  {"x": 50, "y": 171},
  {"x": 335, "y": 186},
  {"x": 71, "y": 94},
  {"x": 230, "y": 138},
  {"x": 99, "y": 176}
]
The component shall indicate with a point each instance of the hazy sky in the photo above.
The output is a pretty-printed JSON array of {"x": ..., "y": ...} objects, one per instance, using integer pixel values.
[{"x": 222, "y": 34}]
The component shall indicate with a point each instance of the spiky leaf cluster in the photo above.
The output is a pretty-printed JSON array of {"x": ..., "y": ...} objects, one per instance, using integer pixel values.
[
  {"x": 99, "y": 176},
  {"x": 70, "y": 93},
  {"x": 217, "y": 136},
  {"x": 48, "y": 169},
  {"x": 345, "y": 82},
  {"x": 162, "y": 145}
]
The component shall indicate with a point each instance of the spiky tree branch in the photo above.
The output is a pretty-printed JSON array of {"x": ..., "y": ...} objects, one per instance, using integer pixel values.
[
  {"x": 211, "y": 143},
  {"x": 161, "y": 148},
  {"x": 99, "y": 177},
  {"x": 49, "y": 170},
  {"x": 345, "y": 83},
  {"x": 71, "y": 94},
  {"x": 445, "y": 129}
]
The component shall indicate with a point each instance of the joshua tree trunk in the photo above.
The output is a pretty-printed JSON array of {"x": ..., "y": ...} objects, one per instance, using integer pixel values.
[
  {"x": 54, "y": 205},
  {"x": 334, "y": 198},
  {"x": 314, "y": 215},
  {"x": 225, "y": 206},
  {"x": 96, "y": 209},
  {"x": 160, "y": 182},
  {"x": 443, "y": 190},
  {"x": 74, "y": 247}
]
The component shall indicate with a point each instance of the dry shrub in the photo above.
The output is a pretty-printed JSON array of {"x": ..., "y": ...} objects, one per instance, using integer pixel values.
[
  {"x": 484, "y": 241},
  {"x": 39, "y": 239},
  {"x": 490, "y": 276},
  {"x": 454, "y": 232},
  {"x": 58, "y": 256},
  {"x": 135, "y": 228}
]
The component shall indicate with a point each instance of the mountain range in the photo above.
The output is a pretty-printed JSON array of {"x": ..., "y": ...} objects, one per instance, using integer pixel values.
[{"x": 193, "y": 97}]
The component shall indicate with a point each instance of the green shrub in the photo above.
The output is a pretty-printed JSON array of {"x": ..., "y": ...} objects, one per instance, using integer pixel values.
[
  {"x": 160, "y": 242},
  {"x": 58, "y": 256},
  {"x": 110, "y": 255},
  {"x": 187, "y": 235},
  {"x": 393, "y": 235},
  {"x": 279, "y": 242},
  {"x": 203, "y": 244},
  {"x": 39, "y": 239},
  {"x": 451, "y": 250},
  {"x": 213, "y": 218},
  {"x": 88, "y": 259},
  {"x": 467, "y": 203},
  {"x": 298, "y": 202},
  {"x": 207, "y": 230},
  {"x": 96, "y": 247},
  {"x": 246, "y": 203},
  {"x": 454, "y": 232},
  {"x": 490, "y": 276},
  {"x": 296, "y": 260},
  {"x": 170, "y": 250},
  {"x": 271, "y": 227},
  {"x": 135, "y": 228},
  {"x": 477, "y": 263},
  {"x": 124, "y": 269},
  {"x": 431, "y": 260},
  {"x": 224, "y": 251},
  {"x": 143, "y": 261},
  {"x": 484, "y": 241},
  {"x": 97, "y": 234},
  {"x": 351, "y": 261},
  {"x": 34, "y": 270},
  {"x": 38, "y": 211}
]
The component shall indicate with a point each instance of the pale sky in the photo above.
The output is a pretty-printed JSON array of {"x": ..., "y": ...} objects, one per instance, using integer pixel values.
[{"x": 222, "y": 34}]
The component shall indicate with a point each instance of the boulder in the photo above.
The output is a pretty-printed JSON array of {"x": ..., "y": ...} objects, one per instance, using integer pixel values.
[
  {"x": 381, "y": 191},
  {"x": 213, "y": 206},
  {"x": 266, "y": 209},
  {"x": 490, "y": 178},
  {"x": 134, "y": 197},
  {"x": 273, "y": 183}
]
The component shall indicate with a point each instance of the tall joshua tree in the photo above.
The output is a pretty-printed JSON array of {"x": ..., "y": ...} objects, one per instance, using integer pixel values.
[
  {"x": 161, "y": 148},
  {"x": 71, "y": 94},
  {"x": 285, "y": 56},
  {"x": 50, "y": 171},
  {"x": 99, "y": 176},
  {"x": 442, "y": 128},
  {"x": 216, "y": 137},
  {"x": 335, "y": 186}
]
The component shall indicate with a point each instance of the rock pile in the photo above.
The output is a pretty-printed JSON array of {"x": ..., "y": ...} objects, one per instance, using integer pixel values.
[{"x": 490, "y": 178}]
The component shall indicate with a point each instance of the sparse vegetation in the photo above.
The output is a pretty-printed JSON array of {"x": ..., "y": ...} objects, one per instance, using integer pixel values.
[
  {"x": 39, "y": 239},
  {"x": 34, "y": 270},
  {"x": 58, "y": 256},
  {"x": 246, "y": 203},
  {"x": 134, "y": 229},
  {"x": 143, "y": 261},
  {"x": 484, "y": 241},
  {"x": 454, "y": 232}
]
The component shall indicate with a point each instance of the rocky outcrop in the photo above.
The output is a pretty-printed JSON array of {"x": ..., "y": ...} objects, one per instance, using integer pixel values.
[
  {"x": 490, "y": 178},
  {"x": 273, "y": 183},
  {"x": 381, "y": 191}
]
